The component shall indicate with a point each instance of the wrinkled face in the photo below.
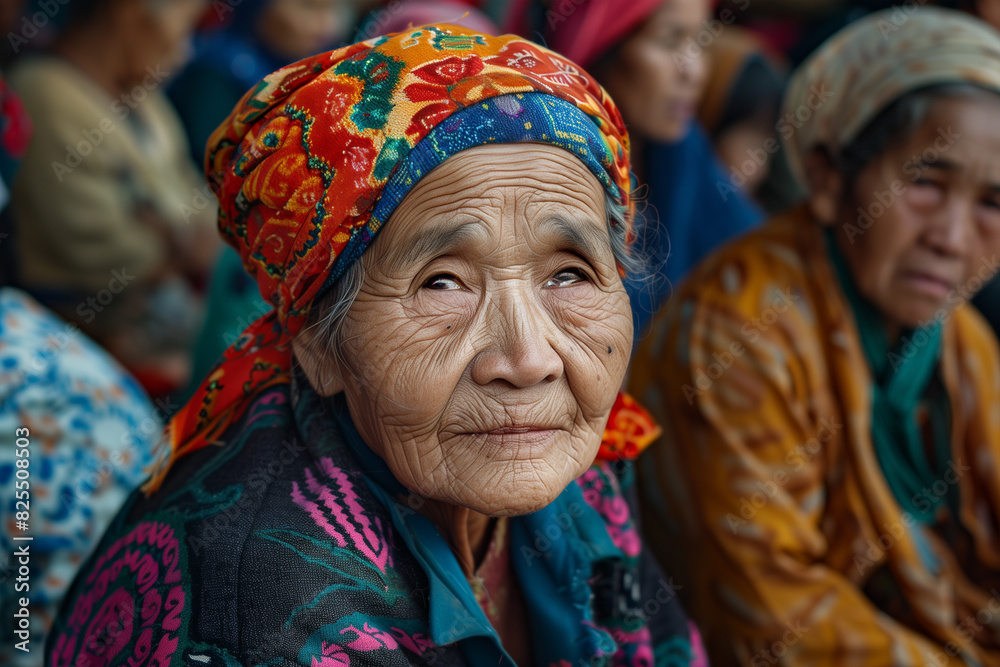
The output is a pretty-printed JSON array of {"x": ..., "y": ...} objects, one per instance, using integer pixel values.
[
  {"x": 927, "y": 235},
  {"x": 492, "y": 332},
  {"x": 297, "y": 29},
  {"x": 658, "y": 73}
]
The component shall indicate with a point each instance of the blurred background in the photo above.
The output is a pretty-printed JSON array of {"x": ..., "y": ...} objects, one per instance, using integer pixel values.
[{"x": 116, "y": 292}]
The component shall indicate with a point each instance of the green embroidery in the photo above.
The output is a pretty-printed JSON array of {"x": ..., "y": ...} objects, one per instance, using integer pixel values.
[
  {"x": 392, "y": 153},
  {"x": 380, "y": 75},
  {"x": 457, "y": 42}
]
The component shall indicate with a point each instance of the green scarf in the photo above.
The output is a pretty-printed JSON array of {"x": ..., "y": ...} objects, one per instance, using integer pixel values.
[{"x": 901, "y": 376}]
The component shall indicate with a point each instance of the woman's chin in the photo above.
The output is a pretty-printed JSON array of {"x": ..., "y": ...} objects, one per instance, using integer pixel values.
[{"x": 514, "y": 502}]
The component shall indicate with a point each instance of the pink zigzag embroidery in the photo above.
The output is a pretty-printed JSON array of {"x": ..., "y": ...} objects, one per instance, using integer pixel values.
[{"x": 339, "y": 498}]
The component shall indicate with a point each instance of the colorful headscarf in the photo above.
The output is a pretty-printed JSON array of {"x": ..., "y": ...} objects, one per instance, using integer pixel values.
[
  {"x": 317, "y": 156},
  {"x": 865, "y": 67}
]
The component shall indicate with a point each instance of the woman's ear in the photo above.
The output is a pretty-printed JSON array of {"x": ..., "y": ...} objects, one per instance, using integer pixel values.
[
  {"x": 322, "y": 370},
  {"x": 826, "y": 186}
]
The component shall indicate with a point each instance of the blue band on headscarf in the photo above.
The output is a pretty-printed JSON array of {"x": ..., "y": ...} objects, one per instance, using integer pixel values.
[{"x": 505, "y": 119}]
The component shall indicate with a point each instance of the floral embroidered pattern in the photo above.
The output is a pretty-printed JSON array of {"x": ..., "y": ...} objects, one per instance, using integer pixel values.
[
  {"x": 600, "y": 490},
  {"x": 131, "y": 607},
  {"x": 352, "y": 635}
]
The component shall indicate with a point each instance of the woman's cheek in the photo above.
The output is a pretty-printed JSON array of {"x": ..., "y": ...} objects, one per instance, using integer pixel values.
[
  {"x": 599, "y": 328},
  {"x": 596, "y": 317}
]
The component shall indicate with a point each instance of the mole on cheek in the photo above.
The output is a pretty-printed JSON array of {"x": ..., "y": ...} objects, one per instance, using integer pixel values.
[{"x": 609, "y": 349}]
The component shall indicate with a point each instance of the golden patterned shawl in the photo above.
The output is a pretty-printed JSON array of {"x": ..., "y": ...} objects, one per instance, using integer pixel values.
[{"x": 791, "y": 548}]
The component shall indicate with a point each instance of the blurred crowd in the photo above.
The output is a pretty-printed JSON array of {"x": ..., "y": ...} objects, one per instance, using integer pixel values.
[{"x": 118, "y": 295}]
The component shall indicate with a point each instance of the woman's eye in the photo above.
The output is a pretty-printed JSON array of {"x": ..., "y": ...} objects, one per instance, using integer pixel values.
[
  {"x": 992, "y": 204},
  {"x": 926, "y": 192},
  {"x": 990, "y": 214},
  {"x": 566, "y": 277},
  {"x": 443, "y": 282}
]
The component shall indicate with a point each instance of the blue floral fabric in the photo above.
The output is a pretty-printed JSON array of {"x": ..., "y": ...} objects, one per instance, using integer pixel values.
[{"x": 91, "y": 431}]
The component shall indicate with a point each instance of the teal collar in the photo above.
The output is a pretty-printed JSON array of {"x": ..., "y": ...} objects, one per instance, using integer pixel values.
[
  {"x": 553, "y": 551},
  {"x": 902, "y": 375}
]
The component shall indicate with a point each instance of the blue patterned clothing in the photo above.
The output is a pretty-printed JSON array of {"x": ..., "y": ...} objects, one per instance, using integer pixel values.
[{"x": 91, "y": 429}]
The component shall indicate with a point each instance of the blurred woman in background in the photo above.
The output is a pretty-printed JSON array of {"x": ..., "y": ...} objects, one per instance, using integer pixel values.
[
  {"x": 832, "y": 440},
  {"x": 110, "y": 231},
  {"x": 648, "y": 55},
  {"x": 740, "y": 113}
]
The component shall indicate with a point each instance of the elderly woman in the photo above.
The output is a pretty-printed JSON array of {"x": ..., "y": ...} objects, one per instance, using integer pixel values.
[
  {"x": 112, "y": 230},
  {"x": 832, "y": 454},
  {"x": 397, "y": 465}
]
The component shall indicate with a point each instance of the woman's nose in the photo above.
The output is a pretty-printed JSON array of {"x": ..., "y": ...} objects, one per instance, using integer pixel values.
[
  {"x": 518, "y": 346},
  {"x": 952, "y": 230},
  {"x": 693, "y": 69}
]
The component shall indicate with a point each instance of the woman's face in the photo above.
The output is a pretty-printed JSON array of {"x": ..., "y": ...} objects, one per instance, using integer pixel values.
[
  {"x": 296, "y": 29},
  {"x": 658, "y": 74},
  {"x": 492, "y": 331},
  {"x": 738, "y": 147},
  {"x": 923, "y": 231},
  {"x": 160, "y": 35}
]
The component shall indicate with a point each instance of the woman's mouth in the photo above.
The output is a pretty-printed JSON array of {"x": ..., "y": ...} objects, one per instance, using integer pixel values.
[
  {"x": 682, "y": 109},
  {"x": 929, "y": 284},
  {"x": 517, "y": 435}
]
